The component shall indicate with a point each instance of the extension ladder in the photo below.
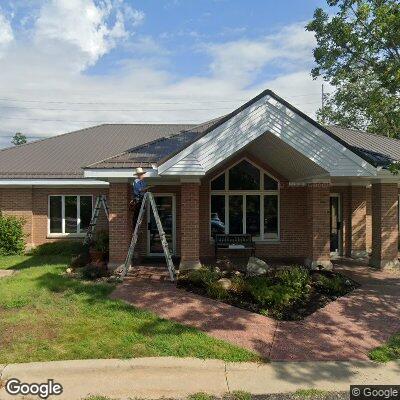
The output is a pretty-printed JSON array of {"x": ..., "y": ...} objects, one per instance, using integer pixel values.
[
  {"x": 100, "y": 201},
  {"x": 148, "y": 197}
]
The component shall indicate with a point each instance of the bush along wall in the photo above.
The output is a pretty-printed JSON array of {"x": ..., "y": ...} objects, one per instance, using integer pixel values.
[{"x": 12, "y": 237}]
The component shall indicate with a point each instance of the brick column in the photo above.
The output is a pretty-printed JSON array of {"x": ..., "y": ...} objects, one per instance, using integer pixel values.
[
  {"x": 190, "y": 226},
  {"x": 358, "y": 210},
  {"x": 318, "y": 212},
  {"x": 120, "y": 226},
  {"x": 385, "y": 219}
]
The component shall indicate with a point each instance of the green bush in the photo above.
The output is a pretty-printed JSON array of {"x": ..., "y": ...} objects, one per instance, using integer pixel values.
[
  {"x": 12, "y": 237},
  {"x": 282, "y": 290},
  {"x": 273, "y": 295},
  {"x": 239, "y": 285},
  {"x": 294, "y": 277},
  {"x": 62, "y": 247},
  {"x": 216, "y": 291},
  {"x": 203, "y": 277},
  {"x": 101, "y": 241},
  {"x": 334, "y": 285}
]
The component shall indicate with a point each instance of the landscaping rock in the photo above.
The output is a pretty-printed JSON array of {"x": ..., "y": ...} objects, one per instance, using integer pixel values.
[
  {"x": 225, "y": 283},
  {"x": 256, "y": 267}
]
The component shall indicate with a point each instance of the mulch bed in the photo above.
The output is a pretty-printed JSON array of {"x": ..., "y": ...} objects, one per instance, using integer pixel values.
[{"x": 311, "y": 302}]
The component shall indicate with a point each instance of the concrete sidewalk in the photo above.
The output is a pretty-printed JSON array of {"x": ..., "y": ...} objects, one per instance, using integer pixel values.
[{"x": 176, "y": 378}]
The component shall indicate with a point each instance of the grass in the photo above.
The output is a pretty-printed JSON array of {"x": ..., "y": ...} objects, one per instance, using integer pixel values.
[
  {"x": 45, "y": 315},
  {"x": 389, "y": 351},
  {"x": 310, "y": 393}
]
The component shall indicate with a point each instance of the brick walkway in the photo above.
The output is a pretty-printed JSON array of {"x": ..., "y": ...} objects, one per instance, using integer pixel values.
[{"x": 345, "y": 329}]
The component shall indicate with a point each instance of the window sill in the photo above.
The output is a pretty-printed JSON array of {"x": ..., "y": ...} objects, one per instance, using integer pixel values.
[
  {"x": 258, "y": 241},
  {"x": 65, "y": 235}
]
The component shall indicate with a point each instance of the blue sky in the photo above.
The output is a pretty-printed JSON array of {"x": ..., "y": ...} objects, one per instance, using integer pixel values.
[{"x": 68, "y": 64}]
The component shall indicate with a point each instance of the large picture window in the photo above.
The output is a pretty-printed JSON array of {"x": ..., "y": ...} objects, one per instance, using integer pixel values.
[
  {"x": 245, "y": 199},
  {"x": 69, "y": 215}
]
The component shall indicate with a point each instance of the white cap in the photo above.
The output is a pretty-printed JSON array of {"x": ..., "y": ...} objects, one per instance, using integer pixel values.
[{"x": 139, "y": 171}]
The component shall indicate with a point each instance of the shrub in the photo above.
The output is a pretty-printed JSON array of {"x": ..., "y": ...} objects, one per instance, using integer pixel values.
[
  {"x": 335, "y": 285},
  {"x": 203, "y": 277},
  {"x": 287, "y": 287},
  {"x": 63, "y": 247},
  {"x": 101, "y": 241},
  {"x": 216, "y": 291},
  {"x": 12, "y": 237},
  {"x": 239, "y": 285},
  {"x": 294, "y": 277}
]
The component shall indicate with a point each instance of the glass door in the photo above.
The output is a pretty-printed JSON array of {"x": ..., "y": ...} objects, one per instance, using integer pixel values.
[
  {"x": 166, "y": 210},
  {"x": 335, "y": 225}
]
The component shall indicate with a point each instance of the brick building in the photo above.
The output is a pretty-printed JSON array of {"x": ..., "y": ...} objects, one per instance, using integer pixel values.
[{"x": 305, "y": 192}]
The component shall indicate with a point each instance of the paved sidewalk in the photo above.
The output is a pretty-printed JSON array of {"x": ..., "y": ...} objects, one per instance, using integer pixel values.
[
  {"x": 345, "y": 329},
  {"x": 176, "y": 378}
]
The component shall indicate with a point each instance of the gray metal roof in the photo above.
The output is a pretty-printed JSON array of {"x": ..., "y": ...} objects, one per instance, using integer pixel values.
[
  {"x": 133, "y": 145},
  {"x": 65, "y": 155},
  {"x": 153, "y": 152},
  {"x": 382, "y": 150}
]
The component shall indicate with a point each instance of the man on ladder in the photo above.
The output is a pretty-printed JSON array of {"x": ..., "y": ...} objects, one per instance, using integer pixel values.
[
  {"x": 139, "y": 188},
  {"x": 142, "y": 198}
]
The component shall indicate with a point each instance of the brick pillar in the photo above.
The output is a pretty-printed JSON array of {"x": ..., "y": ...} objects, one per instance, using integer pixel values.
[
  {"x": 190, "y": 226},
  {"x": 385, "y": 231},
  {"x": 318, "y": 213},
  {"x": 120, "y": 226},
  {"x": 358, "y": 210}
]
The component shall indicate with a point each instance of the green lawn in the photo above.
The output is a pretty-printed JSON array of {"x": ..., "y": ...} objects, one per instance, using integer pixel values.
[
  {"x": 389, "y": 351},
  {"x": 45, "y": 315}
]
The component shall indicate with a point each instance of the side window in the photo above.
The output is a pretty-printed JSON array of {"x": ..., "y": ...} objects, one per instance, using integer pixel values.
[{"x": 69, "y": 214}]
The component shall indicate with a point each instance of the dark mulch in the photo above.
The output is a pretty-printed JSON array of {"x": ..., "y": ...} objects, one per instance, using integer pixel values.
[{"x": 312, "y": 301}]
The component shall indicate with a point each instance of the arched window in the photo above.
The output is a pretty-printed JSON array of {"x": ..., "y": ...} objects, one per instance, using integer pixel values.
[{"x": 245, "y": 199}]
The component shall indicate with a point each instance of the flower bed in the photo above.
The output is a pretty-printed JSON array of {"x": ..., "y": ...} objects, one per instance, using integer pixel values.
[{"x": 290, "y": 293}]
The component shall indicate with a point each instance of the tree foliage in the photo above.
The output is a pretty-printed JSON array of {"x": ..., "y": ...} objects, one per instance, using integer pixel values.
[
  {"x": 358, "y": 53},
  {"x": 19, "y": 138}
]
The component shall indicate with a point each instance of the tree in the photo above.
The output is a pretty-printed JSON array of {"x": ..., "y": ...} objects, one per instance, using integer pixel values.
[
  {"x": 358, "y": 53},
  {"x": 19, "y": 138}
]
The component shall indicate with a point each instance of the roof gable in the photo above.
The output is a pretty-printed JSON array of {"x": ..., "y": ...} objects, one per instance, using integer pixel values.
[{"x": 267, "y": 114}]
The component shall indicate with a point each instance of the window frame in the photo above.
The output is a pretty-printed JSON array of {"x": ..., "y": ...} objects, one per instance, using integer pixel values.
[
  {"x": 226, "y": 192},
  {"x": 78, "y": 232}
]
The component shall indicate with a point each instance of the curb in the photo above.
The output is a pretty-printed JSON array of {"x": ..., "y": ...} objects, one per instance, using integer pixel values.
[{"x": 153, "y": 378}]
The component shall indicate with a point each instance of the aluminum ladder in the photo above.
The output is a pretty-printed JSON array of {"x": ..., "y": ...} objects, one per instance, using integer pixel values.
[
  {"x": 148, "y": 197},
  {"x": 100, "y": 202}
]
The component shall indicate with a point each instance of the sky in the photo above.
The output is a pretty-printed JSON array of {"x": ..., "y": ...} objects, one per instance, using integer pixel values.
[{"x": 70, "y": 64}]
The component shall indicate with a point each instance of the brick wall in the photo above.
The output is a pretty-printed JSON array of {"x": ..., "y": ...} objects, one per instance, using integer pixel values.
[
  {"x": 318, "y": 232},
  {"x": 358, "y": 208},
  {"x": 32, "y": 205},
  {"x": 120, "y": 225},
  {"x": 190, "y": 226},
  {"x": 385, "y": 218},
  {"x": 368, "y": 221}
]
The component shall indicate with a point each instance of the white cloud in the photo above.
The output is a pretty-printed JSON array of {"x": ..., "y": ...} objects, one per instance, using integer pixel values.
[
  {"x": 85, "y": 25},
  {"x": 6, "y": 33},
  {"x": 70, "y": 35},
  {"x": 242, "y": 59}
]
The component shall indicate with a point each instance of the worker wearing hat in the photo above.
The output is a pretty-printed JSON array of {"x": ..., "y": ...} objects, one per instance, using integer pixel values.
[{"x": 139, "y": 188}]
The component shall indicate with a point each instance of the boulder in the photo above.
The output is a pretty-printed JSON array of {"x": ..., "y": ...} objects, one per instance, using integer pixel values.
[
  {"x": 256, "y": 267},
  {"x": 225, "y": 283}
]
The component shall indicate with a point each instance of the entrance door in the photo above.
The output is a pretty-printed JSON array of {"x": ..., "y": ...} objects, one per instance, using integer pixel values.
[
  {"x": 335, "y": 225},
  {"x": 166, "y": 210}
]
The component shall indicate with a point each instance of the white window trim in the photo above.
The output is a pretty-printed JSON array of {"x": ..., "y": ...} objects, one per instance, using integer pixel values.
[
  {"x": 78, "y": 211},
  {"x": 226, "y": 192}
]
